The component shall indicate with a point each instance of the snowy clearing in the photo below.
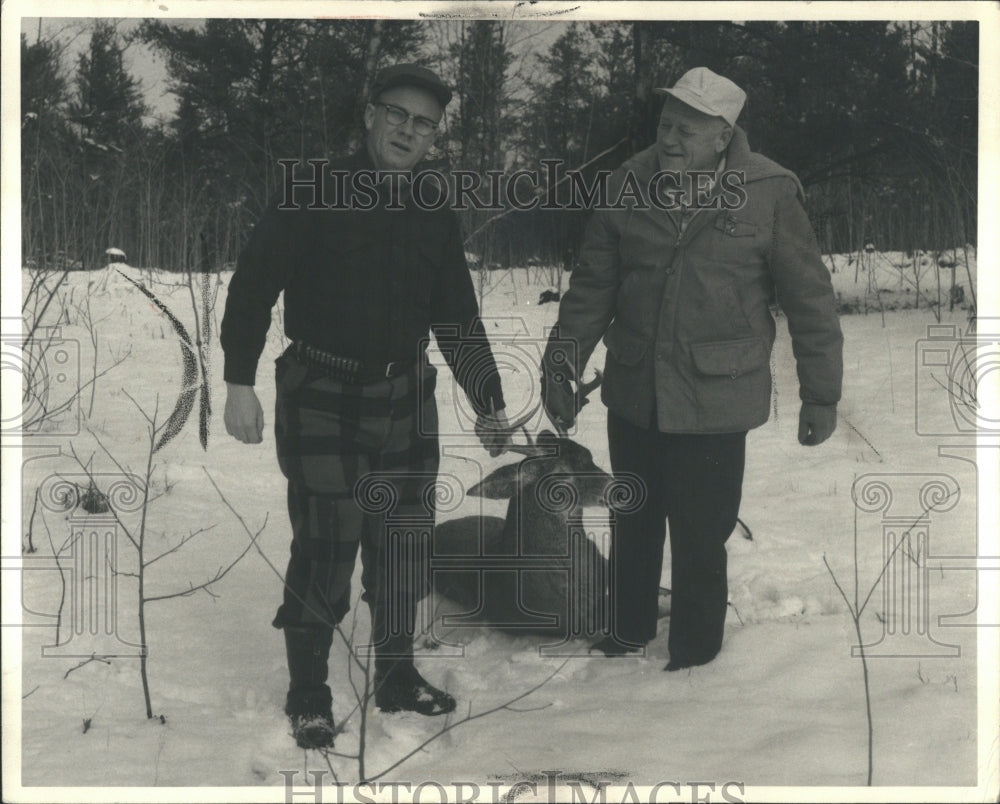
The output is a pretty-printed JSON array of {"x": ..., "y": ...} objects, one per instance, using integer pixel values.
[{"x": 781, "y": 708}]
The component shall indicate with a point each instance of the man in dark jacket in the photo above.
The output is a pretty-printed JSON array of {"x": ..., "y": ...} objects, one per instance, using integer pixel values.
[
  {"x": 366, "y": 274},
  {"x": 678, "y": 282}
]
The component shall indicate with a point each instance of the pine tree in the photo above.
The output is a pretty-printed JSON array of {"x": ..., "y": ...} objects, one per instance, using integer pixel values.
[
  {"x": 44, "y": 146},
  {"x": 483, "y": 124},
  {"x": 108, "y": 105}
]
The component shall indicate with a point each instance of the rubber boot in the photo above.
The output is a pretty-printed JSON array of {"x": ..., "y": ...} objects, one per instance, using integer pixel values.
[
  {"x": 309, "y": 702},
  {"x": 399, "y": 687}
]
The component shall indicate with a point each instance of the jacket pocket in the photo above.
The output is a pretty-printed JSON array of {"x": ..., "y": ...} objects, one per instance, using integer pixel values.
[
  {"x": 732, "y": 358},
  {"x": 625, "y": 346},
  {"x": 732, "y": 226},
  {"x": 732, "y": 384}
]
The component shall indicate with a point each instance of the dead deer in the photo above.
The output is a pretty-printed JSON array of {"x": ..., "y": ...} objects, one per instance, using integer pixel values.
[{"x": 532, "y": 571}]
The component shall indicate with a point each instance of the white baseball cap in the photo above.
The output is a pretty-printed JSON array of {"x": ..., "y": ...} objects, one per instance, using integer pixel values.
[{"x": 708, "y": 92}]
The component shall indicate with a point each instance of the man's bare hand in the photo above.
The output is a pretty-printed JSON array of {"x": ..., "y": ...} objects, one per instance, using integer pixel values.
[{"x": 244, "y": 416}]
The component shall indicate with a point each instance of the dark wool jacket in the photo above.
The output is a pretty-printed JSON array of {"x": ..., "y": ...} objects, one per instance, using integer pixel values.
[
  {"x": 369, "y": 285},
  {"x": 686, "y": 316}
]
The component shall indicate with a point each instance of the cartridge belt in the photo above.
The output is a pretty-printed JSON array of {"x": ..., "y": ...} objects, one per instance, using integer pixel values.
[{"x": 349, "y": 369}]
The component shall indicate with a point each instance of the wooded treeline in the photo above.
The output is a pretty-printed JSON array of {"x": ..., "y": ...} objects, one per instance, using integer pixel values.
[{"x": 879, "y": 120}]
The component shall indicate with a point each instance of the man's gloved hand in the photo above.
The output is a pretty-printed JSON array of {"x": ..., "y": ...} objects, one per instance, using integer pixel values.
[
  {"x": 493, "y": 431},
  {"x": 816, "y": 423},
  {"x": 558, "y": 396}
]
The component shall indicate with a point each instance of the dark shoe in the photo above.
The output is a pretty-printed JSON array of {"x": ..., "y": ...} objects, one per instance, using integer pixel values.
[
  {"x": 612, "y": 647},
  {"x": 403, "y": 689},
  {"x": 679, "y": 664}
]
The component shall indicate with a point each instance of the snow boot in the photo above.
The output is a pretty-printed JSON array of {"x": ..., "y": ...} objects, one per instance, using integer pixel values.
[
  {"x": 403, "y": 689},
  {"x": 309, "y": 702}
]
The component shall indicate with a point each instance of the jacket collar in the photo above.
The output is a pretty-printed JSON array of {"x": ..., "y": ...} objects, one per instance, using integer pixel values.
[
  {"x": 738, "y": 152},
  {"x": 738, "y": 157}
]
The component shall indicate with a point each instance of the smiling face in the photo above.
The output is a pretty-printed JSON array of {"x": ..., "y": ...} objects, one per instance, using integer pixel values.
[
  {"x": 400, "y": 147},
  {"x": 689, "y": 139}
]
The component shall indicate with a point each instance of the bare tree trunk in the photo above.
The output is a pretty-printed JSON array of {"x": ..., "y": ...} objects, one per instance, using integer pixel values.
[
  {"x": 643, "y": 87},
  {"x": 371, "y": 67}
]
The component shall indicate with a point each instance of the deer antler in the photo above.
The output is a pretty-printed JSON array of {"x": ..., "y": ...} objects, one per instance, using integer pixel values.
[
  {"x": 519, "y": 424},
  {"x": 583, "y": 389},
  {"x": 520, "y": 421},
  {"x": 531, "y": 448}
]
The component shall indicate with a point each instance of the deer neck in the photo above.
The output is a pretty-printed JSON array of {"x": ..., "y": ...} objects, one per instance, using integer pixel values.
[{"x": 533, "y": 529}]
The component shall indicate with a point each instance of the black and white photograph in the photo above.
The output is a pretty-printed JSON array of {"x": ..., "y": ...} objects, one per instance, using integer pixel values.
[{"x": 500, "y": 401}]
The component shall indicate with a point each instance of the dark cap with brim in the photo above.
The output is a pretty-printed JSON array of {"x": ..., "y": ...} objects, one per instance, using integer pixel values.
[{"x": 411, "y": 75}]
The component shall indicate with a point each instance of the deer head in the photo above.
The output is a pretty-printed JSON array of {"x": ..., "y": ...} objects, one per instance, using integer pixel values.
[
  {"x": 556, "y": 459},
  {"x": 563, "y": 590}
]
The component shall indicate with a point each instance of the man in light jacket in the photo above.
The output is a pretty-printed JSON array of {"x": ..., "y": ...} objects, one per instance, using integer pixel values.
[{"x": 678, "y": 280}]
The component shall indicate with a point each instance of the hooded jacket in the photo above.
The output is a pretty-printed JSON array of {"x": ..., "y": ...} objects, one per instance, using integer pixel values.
[{"x": 686, "y": 313}]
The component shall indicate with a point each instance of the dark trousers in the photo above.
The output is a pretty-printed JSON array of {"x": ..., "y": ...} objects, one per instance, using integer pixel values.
[
  {"x": 694, "y": 483},
  {"x": 361, "y": 463}
]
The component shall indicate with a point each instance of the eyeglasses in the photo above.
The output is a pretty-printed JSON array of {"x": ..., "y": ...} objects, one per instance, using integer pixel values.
[{"x": 397, "y": 116}]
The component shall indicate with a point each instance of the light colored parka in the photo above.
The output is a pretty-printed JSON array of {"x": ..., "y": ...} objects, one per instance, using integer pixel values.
[{"x": 686, "y": 316}]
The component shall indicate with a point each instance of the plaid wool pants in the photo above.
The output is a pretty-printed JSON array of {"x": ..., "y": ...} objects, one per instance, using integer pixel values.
[{"x": 361, "y": 463}]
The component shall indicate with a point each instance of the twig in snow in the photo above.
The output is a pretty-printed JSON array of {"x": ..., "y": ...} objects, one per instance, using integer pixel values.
[
  {"x": 93, "y": 658},
  {"x": 861, "y": 436},
  {"x": 31, "y": 524}
]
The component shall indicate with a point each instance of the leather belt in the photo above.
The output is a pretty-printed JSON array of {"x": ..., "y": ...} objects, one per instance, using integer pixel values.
[{"x": 349, "y": 369}]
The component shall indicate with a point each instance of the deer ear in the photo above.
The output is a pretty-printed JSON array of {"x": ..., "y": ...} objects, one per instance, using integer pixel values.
[
  {"x": 505, "y": 481},
  {"x": 498, "y": 485}
]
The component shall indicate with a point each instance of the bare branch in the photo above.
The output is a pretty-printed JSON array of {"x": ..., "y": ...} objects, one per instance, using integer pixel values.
[
  {"x": 93, "y": 658},
  {"x": 31, "y": 523},
  {"x": 65, "y": 405},
  {"x": 468, "y": 719},
  {"x": 840, "y": 589},
  {"x": 540, "y": 192},
  {"x": 180, "y": 544},
  {"x": 895, "y": 550},
  {"x": 219, "y": 575},
  {"x": 90, "y": 476}
]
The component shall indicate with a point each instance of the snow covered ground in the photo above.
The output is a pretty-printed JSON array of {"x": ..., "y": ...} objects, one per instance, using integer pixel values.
[{"x": 781, "y": 709}]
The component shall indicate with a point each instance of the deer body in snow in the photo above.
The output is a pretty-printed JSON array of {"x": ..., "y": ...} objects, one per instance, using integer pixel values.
[{"x": 535, "y": 570}]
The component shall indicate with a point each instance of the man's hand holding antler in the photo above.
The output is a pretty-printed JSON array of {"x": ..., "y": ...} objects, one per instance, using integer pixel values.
[
  {"x": 494, "y": 431},
  {"x": 562, "y": 402},
  {"x": 558, "y": 396}
]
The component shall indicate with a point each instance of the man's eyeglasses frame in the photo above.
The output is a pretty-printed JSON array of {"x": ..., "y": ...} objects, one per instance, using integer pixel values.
[{"x": 423, "y": 126}]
